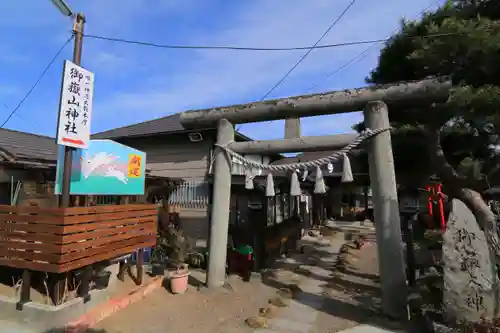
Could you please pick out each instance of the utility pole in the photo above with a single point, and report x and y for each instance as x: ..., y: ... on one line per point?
x: 57, y: 285
x: 79, y: 22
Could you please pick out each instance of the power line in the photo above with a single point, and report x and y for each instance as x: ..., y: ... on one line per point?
x: 223, y: 47
x: 16, y: 114
x: 357, y: 58
x: 37, y: 81
x: 363, y: 54
x: 259, y: 49
x: 277, y: 84
x: 216, y: 47
x: 308, y: 51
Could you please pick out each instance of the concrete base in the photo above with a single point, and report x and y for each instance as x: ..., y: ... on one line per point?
x: 113, y: 280
x: 39, y: 317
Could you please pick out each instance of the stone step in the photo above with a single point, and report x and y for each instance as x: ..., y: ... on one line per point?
x: 366, y: 329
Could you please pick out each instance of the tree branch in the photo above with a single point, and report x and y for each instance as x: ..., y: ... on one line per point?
x: 444, y: 169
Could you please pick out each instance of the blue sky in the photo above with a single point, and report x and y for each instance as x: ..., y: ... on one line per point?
x: 136, y: 83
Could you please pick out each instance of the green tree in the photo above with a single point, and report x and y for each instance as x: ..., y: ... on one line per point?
x: 459, y: 139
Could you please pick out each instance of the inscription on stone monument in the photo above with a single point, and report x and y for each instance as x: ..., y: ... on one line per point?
x: 470, y: 274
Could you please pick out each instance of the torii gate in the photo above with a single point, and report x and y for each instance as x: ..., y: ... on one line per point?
x: 374, y: 102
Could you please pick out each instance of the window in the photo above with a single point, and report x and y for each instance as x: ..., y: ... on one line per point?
x: 286, y: 205
x: 233, y: 211
x: 270, y: 211
x: 107, y: 199
x: 279, y: 208
x: 293, y: 206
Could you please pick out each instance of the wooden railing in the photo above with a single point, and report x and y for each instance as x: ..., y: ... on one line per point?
x: 58, y: 240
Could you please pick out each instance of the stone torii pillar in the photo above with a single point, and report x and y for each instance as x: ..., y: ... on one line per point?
x: 219, y: 227
x: 386, y: 211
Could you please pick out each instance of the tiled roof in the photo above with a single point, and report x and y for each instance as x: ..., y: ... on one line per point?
x: 156, y: 126
x: 22, y: 145
x: 29, y: 146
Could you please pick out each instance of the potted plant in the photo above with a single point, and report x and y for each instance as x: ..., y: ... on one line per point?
x: 158, y: 258
x: 101, y: 278
x: 176, y: 246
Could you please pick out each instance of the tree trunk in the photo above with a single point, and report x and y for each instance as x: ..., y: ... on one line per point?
x: 471, y: 198
x: 455, y: 184
x: 484, y: 216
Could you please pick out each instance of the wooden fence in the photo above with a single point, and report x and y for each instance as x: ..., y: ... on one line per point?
x: 58, y: 240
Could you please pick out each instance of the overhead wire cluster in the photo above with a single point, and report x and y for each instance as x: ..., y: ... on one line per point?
x: 337, y: 20
x: 40, y: 77
x: 366, y: 52
x: 373, y: 43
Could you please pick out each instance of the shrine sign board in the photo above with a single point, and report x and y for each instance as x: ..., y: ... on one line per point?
x: 106, y: 167
x: 75, y: 106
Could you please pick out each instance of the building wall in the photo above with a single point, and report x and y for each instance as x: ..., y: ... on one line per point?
x: 27, y: 186
x: 175, y: 156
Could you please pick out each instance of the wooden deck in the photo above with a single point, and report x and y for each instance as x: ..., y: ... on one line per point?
x: 58, y: 240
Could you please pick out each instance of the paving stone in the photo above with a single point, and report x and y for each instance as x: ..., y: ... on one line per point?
x: 267, y: 330
x: 301, y: 313
x: 314, y: 287
x: 366, y: 329
x: 288, y: 325
x: 311, y: 300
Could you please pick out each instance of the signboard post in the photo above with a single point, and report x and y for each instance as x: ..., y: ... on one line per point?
x: 78, y: 27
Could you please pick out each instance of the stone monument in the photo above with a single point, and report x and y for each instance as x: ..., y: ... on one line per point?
x: 470, y: 274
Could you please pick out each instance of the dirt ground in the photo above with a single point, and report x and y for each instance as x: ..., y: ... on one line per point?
x: 351, y: 296
x: 195, y: 311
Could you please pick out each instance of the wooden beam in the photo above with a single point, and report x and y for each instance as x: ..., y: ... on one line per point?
x: 350, y: 100
x: 25, y: 296
x: 84, y: 288
x: 303, y: 144
x: 139, y: 267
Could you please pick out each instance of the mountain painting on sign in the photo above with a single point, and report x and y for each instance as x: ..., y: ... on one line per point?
x: 105, y: 168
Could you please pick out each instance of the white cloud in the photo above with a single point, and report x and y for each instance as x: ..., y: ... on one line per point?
x: 10, y: 55
x: 125, y: 14
x: 25, y: 15
x: 107, y: 61
x: 8, y: 90
x: 222, y: 77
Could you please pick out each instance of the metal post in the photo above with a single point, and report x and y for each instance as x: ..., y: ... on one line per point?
x: 216, y: 273
x: 68, y: 151
x: 386, y: 211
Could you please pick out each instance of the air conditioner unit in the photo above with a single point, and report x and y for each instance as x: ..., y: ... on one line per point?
x: 195, y: 137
